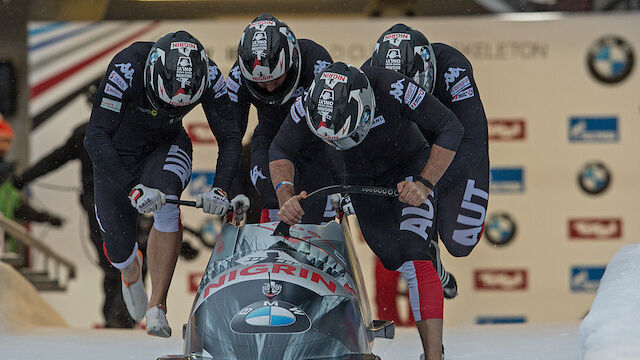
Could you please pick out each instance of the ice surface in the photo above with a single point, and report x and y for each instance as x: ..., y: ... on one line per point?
x: 486, y: 342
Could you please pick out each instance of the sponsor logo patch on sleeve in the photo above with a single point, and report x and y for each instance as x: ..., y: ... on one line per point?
x: 465, y: 94
x: 297, y: 110
x: 112, y: 105
x: 111, y: 90
x: 411, y: 91
x: 418, y: 99
x: 220, y: 85
x: 232, y: 85
x: 118, y: 80
x: 233, y: 97
x: 460, y: 85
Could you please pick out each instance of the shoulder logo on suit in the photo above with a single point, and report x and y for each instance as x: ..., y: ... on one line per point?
x: 451, y: 75
x: 397, y: 90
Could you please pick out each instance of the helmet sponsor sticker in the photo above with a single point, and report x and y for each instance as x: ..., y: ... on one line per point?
x: 270, y: 317
x: 451, y: 75
x: 262, y: 24
x: 259, y: 44
x: 595, y: 228
x: 393, y: 60
x: 396, y: 38
x: 118, y: 80
x: 112, y: 105
x: 111, y: 90
x: 184, y: 71
x: 271, y: 288
x: 333, y: 76
x: 183, y: 44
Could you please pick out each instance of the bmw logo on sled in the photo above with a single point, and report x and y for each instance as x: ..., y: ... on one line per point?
x: 298, y: 295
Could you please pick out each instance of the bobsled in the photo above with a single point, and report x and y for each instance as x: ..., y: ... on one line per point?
x: 274, y: 292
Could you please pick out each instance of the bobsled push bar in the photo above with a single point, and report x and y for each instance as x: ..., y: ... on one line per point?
x: 283, y: 228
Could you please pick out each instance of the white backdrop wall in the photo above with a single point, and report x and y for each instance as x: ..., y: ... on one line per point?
x: 549, y: 117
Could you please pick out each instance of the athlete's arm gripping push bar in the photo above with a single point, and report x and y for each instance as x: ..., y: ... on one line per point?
x: 283, y: 228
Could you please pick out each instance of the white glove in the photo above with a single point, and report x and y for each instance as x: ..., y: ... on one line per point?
x: 342, y: 203
x: 213, y: 202
x: 146, y: 199
x: 240, y: 204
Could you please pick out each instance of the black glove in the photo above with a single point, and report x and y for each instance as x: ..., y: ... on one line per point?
x: 188, y: 252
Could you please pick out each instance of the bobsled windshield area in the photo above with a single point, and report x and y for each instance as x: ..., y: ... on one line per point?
x: 280, y: 297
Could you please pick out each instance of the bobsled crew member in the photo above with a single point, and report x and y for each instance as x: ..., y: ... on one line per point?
x: 273, y: 68
x: 142, y: 156
x: 462, y: 193
x: 376, y: 118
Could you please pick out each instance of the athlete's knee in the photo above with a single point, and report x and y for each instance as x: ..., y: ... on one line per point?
x: 120, y: 258
x: 167, y: 219
x: 455, y: 248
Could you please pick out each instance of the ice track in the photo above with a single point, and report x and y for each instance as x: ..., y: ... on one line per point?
x: 487, y: 342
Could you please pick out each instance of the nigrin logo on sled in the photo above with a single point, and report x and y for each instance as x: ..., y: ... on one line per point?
x: 507, y: 180
x: 593, y: 129
x: 595, y: 229
x: 506, y: 129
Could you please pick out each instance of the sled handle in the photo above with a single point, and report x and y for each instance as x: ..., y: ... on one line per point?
x: 283, y: 228
x: 183, y: 203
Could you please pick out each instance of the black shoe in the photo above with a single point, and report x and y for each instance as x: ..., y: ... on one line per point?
x: 449, y: 284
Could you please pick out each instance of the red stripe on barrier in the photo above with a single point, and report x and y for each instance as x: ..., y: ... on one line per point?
x: 44, y: 85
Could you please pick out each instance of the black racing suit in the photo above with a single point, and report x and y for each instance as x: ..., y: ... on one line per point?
x: 463, y: 191
x: 393, y: 151
x: 114, y: 310
x: 130, y: 143
x: 313, y: 171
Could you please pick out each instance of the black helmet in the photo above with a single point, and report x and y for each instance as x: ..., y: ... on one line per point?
x: 268, y: 50
x: 176, y: 73
x: 340, y: 105
x: 407, y: 51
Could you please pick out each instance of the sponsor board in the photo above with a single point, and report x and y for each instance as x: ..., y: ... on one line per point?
x: 593, y: 129
x: 594, y: 178
x: 610, y: 59
x: 595, y: 228
x: 586, y: 278
x: 507, y: 180
x: 201, y: 181
x: 200, y: 133
x: 506, y: 129
x: 500, y: 229
x: 484, y: 320
x: 500, y: 279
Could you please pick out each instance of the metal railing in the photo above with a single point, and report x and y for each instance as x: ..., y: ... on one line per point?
x: 42, y: 278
